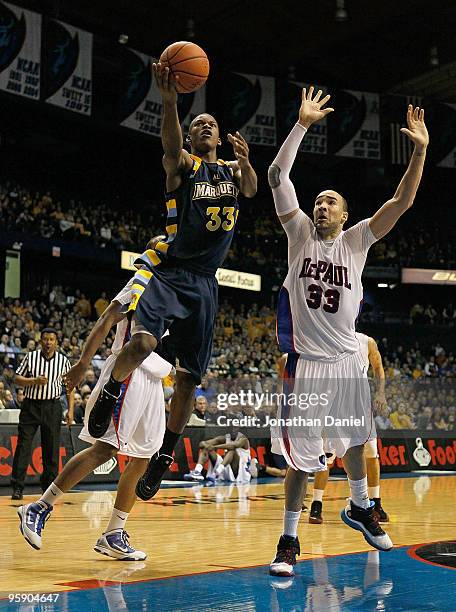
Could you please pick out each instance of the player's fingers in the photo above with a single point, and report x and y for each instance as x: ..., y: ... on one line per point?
x: 239, y: 135
x: 324, y: 100
x: 422, y: 114
x: 326, y: 111
x: 304, y: 94
x: 416, y: 113
x: 318, y: 96
x: 311, y: 90
x: 406, y: 132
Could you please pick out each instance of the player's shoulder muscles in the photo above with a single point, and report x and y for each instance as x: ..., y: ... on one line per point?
x: 175, y: 167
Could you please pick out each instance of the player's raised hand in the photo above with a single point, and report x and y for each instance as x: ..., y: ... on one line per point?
x: 312, y: 109
x: 74, y: 376
x: 416, y: 128
x: 240, y: 148
x: 165, y: 83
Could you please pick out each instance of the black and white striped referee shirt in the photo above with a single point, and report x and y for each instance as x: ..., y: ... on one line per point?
x: 35, y: 364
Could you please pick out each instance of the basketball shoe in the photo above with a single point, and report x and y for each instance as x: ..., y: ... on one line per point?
x: 32, y: 518
x: 150, y: 481
x: 285, y: 559
x: 115, y: 544
x: 366, y: 521
x: 382, y: 515
x: 101, y: 413
x: 194, y: 476
x: 315, y: 516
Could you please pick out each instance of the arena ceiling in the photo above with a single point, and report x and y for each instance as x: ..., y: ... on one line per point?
x: 381, y: 46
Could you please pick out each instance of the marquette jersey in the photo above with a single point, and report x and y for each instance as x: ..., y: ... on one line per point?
x: 364, y: 348
x: 202, y: 214
x: 321, y: 296
x: 154, y: 364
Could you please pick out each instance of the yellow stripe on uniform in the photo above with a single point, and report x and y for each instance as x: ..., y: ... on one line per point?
x: 171, y: 204
x: 162, y: 247
x: 144, y: 273
x: 196, y: 162
x: 171, y: 229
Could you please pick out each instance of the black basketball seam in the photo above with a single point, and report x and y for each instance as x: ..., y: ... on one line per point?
x: 168, y: 59
x: 187, y: 59
x: 201, y: 76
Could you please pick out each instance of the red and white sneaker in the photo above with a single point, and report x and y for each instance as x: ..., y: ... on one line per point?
x: 285, y: 559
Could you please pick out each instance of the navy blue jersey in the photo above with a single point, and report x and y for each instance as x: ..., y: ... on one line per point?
x: 202, y: 213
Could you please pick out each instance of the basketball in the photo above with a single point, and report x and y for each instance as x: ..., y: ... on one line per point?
x: 187, y: 61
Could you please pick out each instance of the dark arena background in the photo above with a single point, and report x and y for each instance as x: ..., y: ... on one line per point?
x: 82, y: 191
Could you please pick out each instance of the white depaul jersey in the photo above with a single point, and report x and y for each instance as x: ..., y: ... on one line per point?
x: 154, y: 364
x: 322, y: 293
x: 364, y: 348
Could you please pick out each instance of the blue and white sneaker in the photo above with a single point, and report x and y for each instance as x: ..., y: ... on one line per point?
x: 32, y: 518
x: 115, y: 544
x: 366, y: 521
x: 194, y: 476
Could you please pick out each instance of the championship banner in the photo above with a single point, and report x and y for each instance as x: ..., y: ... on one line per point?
x: 20, y: 49
x: 251, y: 109
x: 68, y: 67
x: 394, y: 117
x: 289, y: 95
x: 354, y: 129
x: 141, y: 103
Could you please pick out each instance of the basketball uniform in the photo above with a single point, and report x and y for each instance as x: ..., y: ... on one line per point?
x: 138, y: 421
x: 243, y: 476
x: 370, y: 448
x: 317, y: 308
x: 182, y: 292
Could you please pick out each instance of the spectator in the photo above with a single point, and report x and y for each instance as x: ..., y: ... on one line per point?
x: 101, y: 304
x: 83, y: 307
x: 400, y: 419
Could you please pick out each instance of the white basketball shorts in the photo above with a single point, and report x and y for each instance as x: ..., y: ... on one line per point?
x: 325, y: 406
x: 138, y: 423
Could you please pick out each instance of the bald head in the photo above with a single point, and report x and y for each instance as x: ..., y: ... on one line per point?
x: 330, y: 213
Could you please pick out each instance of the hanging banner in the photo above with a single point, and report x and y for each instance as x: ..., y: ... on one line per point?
x: 394, y: 117
x: 289, y: 96
x: 250, y: 107
x: 68, y: 67
x: 354, y: 129
x: 20, y: 48
x: 141, y: 102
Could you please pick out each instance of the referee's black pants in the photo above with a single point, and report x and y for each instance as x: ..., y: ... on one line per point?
x: 46, y: 414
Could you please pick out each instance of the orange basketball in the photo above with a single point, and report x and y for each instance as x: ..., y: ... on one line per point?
x: 187, y: 61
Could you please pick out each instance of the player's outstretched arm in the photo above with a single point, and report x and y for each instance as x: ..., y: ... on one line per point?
x: 386, y: 218
x: 110, y: 317
x: 283, y: 191
x: 175, y: 159
x: 242, y: 168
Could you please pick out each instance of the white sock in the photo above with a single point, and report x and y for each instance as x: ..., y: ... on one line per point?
x: 118, y: 520
x: 358, y: 490
x: 318, y: 495
x: 374, y: 492
x: 51, y: 495
x: 290, y: 523
x: 198, y: 468
x: 219, y: 469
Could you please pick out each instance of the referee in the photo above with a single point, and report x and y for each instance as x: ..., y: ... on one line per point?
x: 40, y: 373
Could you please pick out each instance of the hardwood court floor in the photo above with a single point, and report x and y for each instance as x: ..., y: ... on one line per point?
x: 187, y: 531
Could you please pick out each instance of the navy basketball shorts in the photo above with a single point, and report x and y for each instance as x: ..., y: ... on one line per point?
x: 185, y: 304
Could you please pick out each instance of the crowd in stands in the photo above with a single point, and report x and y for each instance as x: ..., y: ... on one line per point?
x: 259, y: 245
x: 421, y: 381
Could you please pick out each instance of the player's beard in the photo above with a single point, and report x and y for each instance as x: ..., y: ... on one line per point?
x: 327, y: 229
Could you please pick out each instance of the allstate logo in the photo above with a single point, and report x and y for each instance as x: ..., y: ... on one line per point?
x: 421, y: 455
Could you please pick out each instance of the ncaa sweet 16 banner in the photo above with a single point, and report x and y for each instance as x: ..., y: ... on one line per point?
x: 251, y: 108
x: 289, y: 96
x: 354, y: 129
x: 140, y: 101
x: 20, y: 49
x: 68, y: 67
